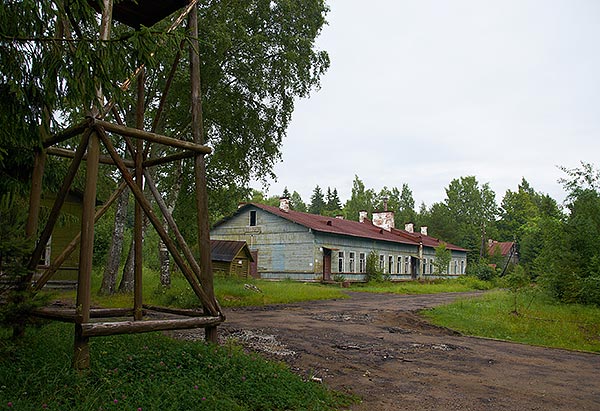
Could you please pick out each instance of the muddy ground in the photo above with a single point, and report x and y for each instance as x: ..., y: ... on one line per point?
x: 377, y: 347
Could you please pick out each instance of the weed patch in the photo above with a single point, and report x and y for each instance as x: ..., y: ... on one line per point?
x: 539, y: 321
x: 149, y: 372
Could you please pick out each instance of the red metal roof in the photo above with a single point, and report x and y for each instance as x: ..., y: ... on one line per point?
x: 504, y: 247
x: 339, y: 226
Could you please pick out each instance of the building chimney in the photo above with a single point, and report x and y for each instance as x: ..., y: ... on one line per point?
x: 384, y: 219
x: 410, y: 227
x: 362, y: 215
x: 385, y: 203
x: 424, y: 230
x: 284, y: 204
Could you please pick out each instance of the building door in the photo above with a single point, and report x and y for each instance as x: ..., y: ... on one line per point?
x: 414, y: 268
x: 326, y: 264
x: 254, y: 264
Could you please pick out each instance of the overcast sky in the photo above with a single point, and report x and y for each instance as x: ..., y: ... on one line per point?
x: 425, y: 91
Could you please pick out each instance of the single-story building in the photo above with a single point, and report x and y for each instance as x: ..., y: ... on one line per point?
x: 309, y: 247
x: 231, y: 258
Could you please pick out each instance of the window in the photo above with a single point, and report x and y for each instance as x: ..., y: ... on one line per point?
x: 361, y: 263
x: 381, y: 262
x: 399, y: 265
x: 455, y: 267
x: 351, y: 262
x: 341, y: 262
x: 252, y: 218
x: 462, y: 266
x: 424, y: 266
x: 407, y: 265
x: 431, y: 266
x: 390, y: 264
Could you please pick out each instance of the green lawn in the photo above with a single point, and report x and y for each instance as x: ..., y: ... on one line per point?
x: 148, y: 372
x: 540, y: 321
x: 231, y: 292
x: 460, y: 284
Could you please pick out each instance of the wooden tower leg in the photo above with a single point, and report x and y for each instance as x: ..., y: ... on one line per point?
x: 138, y: 216
x: 81, y: 356
x: 206, y: 273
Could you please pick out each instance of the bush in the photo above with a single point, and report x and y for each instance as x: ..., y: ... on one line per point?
x: 373, y: 272
x: 15, y: 252
x: 482, y: 270
x: 589, y: 290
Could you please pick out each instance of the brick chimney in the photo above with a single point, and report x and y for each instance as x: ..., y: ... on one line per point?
x: 424, y: 230
x: 384, y: 219
x: 362, y: 216
x: 410, y: 227
x: 284, y: 204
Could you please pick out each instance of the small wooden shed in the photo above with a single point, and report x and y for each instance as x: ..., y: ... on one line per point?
x: 66, y: 228
x: 231, y: 258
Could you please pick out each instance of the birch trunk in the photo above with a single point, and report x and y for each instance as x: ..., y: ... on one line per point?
x: 163, y: 254
x: 109, y: 277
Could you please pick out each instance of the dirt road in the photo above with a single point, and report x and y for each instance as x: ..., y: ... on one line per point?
x: 378, y: 348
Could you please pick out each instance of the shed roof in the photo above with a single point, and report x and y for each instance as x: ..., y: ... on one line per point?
x: 367, y: 229
x: 227, y: 251
x: 504, y: 247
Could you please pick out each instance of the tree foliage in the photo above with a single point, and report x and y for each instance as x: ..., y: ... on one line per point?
x: 317, y: 201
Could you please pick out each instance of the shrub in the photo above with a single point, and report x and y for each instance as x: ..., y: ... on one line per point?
x: 15, y: 251
x: 482, y: 270
x: 373, y: 272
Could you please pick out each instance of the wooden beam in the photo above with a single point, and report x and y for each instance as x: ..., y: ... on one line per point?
x: 152, y: 137
x: 168, y: 159
x: 67, y: 134
x: 175, y: 311
x: 63, y: 152
x: 132, y: 327
x: 60, y: 199
x: 146, y: 206
x: 173, y: 226
x: 165, y: 93
x: 70, y: 314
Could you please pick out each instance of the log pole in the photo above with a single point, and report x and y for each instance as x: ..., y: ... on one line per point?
x: 131, y: 327
x: 206, y: 274
x: 81, y: 357
x: 138, y: 216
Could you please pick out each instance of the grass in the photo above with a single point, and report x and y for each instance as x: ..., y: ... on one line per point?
x: 231, y: 292
x: 460, y: 284
x: 149, y: 372
x: 538, y: 321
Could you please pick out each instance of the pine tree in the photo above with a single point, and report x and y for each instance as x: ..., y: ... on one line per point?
x: 317, y: 202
